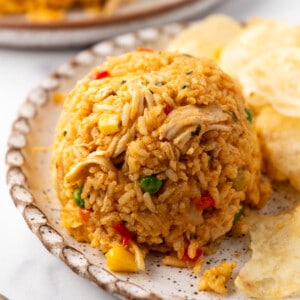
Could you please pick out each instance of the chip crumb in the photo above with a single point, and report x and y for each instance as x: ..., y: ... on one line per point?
x: 215, y: 278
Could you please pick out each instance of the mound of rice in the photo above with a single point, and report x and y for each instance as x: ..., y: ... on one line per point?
x: 176, y: 120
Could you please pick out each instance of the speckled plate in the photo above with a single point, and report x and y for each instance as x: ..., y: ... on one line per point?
x: 29, y: 182
x: 82, y: 29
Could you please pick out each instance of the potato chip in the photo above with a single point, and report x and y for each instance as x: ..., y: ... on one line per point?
x: 274, y: 268
x: 274, y: 78
x: 280, y: 139
x: 206, y: 38
x: 259, y: 37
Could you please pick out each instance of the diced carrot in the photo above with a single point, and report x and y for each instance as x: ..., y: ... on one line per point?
x: 85, y: 214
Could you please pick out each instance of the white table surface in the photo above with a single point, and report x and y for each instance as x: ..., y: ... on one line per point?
x: 27, y: 270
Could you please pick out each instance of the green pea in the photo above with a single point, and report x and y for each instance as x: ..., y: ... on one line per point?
x: 249, y: 114
x: 77, y: 197
x: 238, y: 215
x: 150, y: 184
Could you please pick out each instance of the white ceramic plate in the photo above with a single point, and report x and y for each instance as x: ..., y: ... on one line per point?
x: 28, y: 178
x: 81, y: 29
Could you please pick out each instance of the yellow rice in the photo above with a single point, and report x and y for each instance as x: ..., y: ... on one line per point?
x: 204, y: 145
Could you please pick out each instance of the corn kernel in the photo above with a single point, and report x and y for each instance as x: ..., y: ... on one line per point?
x: 118, y: 259
x: 108, y: 123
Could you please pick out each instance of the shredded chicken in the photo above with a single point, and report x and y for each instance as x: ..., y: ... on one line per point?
x: 97, y: 158
x: 182, y: 121
x: 138, y: 98
x: 184, y: 136
x: 123, y: 142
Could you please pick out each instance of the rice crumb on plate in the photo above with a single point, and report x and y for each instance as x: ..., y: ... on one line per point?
x: 214, y: 279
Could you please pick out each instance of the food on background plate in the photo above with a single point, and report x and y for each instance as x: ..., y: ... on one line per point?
x: 207, y: 37
x: 155, y: 151
x: 274, y: 269
x: 50, y: 10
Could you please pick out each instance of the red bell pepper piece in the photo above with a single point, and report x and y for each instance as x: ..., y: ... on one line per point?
x: 186, y: 256
x: 100, y: 75
x: 203, y: 202
x: 123, y: 232
x: 167, y: 109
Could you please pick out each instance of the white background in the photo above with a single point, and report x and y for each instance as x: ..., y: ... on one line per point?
x: 27, y: 270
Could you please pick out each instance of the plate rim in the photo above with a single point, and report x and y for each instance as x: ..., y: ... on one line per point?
x: 85, y: 36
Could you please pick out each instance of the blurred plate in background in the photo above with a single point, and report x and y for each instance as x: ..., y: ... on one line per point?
x: 82, y: 29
